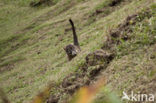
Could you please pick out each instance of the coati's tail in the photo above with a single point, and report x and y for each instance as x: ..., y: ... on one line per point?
x: 74, y: 33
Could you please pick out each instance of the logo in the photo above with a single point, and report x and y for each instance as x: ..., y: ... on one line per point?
x: 138, y: 97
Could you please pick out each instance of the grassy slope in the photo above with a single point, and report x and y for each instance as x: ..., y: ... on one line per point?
x: 133, y: 68
x: 27, y: 31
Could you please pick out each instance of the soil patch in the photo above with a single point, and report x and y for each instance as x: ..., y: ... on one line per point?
x: 107, y: 9
x: 41, y: 2
x: 95, y: 62
x: 123, y: 31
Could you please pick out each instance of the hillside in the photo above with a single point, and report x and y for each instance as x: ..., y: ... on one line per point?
x: 33, y: 38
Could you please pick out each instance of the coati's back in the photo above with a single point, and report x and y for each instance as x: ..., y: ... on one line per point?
x: 72, y: 50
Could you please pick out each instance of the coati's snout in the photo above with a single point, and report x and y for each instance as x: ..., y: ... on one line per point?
x: 74, y: 53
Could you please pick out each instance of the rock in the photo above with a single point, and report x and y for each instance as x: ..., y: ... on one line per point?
x: 99, y: 57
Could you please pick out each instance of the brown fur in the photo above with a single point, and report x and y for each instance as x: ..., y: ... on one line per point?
x: 72, y: 49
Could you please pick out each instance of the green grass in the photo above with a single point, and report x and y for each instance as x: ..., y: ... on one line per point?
x: 135, y: 60
x: 143, y: 35
x: 25, y: 31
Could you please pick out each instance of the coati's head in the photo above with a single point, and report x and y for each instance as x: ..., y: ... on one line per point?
x: 71, y: 51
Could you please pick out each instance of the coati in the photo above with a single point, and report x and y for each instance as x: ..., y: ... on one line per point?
x: 72, y: 49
